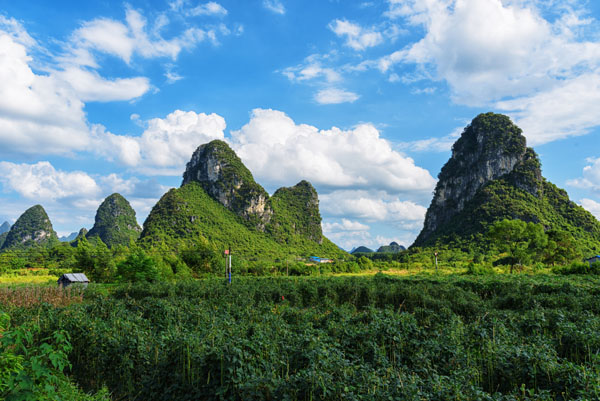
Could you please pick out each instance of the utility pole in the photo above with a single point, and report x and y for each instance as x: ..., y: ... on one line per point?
x: 228, y: 264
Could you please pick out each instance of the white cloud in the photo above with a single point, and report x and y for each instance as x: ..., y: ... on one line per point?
x: 591, y: 206
x: 504, y: 54
x: 344, y: 225
x: 373, y: 206
x: 166, y: 144
x: 274, y: 6
x: 90, y: 86
x: 41, y: 181
x: 171, y: 75
x: 279, y: 151
x: 335, y: 96
x: 569, y: 109
x: 38, y: 113
x: 210, y: 8
x: 133, y: 37
x: 357, y: 37
x: 310, y: 71
x: 351, y: 234
x: 591, y: 176
x: 441, y: 144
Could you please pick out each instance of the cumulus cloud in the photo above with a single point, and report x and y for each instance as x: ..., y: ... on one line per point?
x: 373, y: 206
x: 274, y: 6
x: 357, y: 37
x: 165, y: 145
x: 590, y: 178
x: 350, y: 234
x: 44, y: 113
x: 90, y: 86
x: 42, y: 181
x: 591, y: 206
x: 38, y: 113
x: 280, y: 151
x: 335, y: 96
x: 506, y: 55
x: 344, y: 225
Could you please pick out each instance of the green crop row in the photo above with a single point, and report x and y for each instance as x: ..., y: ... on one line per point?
x: 338, y: 338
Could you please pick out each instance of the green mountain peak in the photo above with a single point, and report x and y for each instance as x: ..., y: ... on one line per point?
x: 115, y: 222
x: 493, y: 175
x: 32, y: 228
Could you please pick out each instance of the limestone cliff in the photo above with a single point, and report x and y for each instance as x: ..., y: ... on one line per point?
x: 219, y: 204
x: 221, y: 173
x: 493, y: 175
x: 32, y: 228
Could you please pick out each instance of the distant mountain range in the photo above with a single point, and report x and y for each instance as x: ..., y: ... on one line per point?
x: 68, y: 238
x: 393, y: 247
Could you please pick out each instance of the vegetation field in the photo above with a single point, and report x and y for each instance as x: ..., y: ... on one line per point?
x: 457, y: 337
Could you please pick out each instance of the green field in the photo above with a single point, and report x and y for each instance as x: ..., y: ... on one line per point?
x: 451, y: 337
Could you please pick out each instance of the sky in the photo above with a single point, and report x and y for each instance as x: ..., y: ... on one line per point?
x: 361, y: 98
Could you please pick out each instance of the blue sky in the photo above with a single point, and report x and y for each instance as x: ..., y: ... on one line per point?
x: 363, y: 99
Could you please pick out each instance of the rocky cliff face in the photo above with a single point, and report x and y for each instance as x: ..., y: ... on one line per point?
x: 221, y: 173
x: 493, y: 175
x: 115, y: 222
x: 489, y: 148
x: 31, y: 229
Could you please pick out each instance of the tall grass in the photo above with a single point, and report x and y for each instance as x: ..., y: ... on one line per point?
x: 28, y: 296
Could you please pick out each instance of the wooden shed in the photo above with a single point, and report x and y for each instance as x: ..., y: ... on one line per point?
x: 73, y: 278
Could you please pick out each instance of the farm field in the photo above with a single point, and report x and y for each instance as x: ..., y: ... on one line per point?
x: 378, y: 337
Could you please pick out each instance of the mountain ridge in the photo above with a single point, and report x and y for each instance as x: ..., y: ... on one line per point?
x: 221, y: 205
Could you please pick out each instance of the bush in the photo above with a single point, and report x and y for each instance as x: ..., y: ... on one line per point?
x: 476, y: 269
x: 578, y: 268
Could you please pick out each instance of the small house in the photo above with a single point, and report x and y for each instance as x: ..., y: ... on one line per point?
x: 593, y: 259
x: 73, y: 278
x: 317, y: 259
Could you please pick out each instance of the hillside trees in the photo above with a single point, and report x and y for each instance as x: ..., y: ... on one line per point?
x: 528, y: 242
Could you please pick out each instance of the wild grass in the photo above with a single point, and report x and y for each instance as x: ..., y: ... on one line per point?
x: 28, y: 296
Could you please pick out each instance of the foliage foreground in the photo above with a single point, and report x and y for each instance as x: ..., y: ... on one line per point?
x: 344, y: 338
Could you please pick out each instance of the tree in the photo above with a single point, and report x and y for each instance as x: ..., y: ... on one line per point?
x: 95, y: 260
x: 138, y: 267
x: 523, y: 241
x: 562, y: 248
